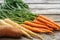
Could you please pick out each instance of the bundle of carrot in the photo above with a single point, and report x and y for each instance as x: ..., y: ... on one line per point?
x: 25, y: 31
x: 48, y: 22
x: 41, y: 24
x: 37, y: 27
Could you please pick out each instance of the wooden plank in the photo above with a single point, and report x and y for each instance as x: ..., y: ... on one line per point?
x: 1, y: 1
x: 48, y: 11
x: 54, y: 17
x: 58, y: 22
x: 44, y: 6
x: 41, y: 1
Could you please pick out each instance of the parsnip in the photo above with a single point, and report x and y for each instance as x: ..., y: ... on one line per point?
x: 9, y: 31
x: 25, y: 33
x: 17, y: 25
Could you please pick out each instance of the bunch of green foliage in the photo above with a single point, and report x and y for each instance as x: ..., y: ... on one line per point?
x: 16, y: 10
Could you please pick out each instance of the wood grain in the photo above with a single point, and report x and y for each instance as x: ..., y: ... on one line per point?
x: 41, y: 1
x: 45, y: 6
x: 45, y: 11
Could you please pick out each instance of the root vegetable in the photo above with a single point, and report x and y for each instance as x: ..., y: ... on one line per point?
x: 48, y: 23
x: 17, y: 25
x: 41, y: 23
x: 34, y: 29
x: 47, y: 19
x: 9, y: 31
x: 25, y: 33
x: 38, y: 22
x: 36, y: 25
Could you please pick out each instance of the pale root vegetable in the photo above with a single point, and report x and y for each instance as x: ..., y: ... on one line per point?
x: 48, y: 23
x: 25, y: 33
x: 17, y: 25
x: 33, y: 34
x: 36, y: 25
x: 34, y: 29
x: 9, y: 31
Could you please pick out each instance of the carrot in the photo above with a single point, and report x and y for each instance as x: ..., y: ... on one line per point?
x: 47, y: 19
x: 41, y: 23
x: 38, y: 22
x: 36, y: 25
x: 39, y: 30
x: 48, y: 23
x: 20, y: 27
x: 24, y: 32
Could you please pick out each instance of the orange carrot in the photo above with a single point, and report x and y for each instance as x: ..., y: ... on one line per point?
x: 39, y: 30
x: 48, y: 23
x: 36, y: 25
x: 38, y: 22
x: 47, y: 19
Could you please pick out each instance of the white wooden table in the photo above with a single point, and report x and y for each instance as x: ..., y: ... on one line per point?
x: 49, y: 8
